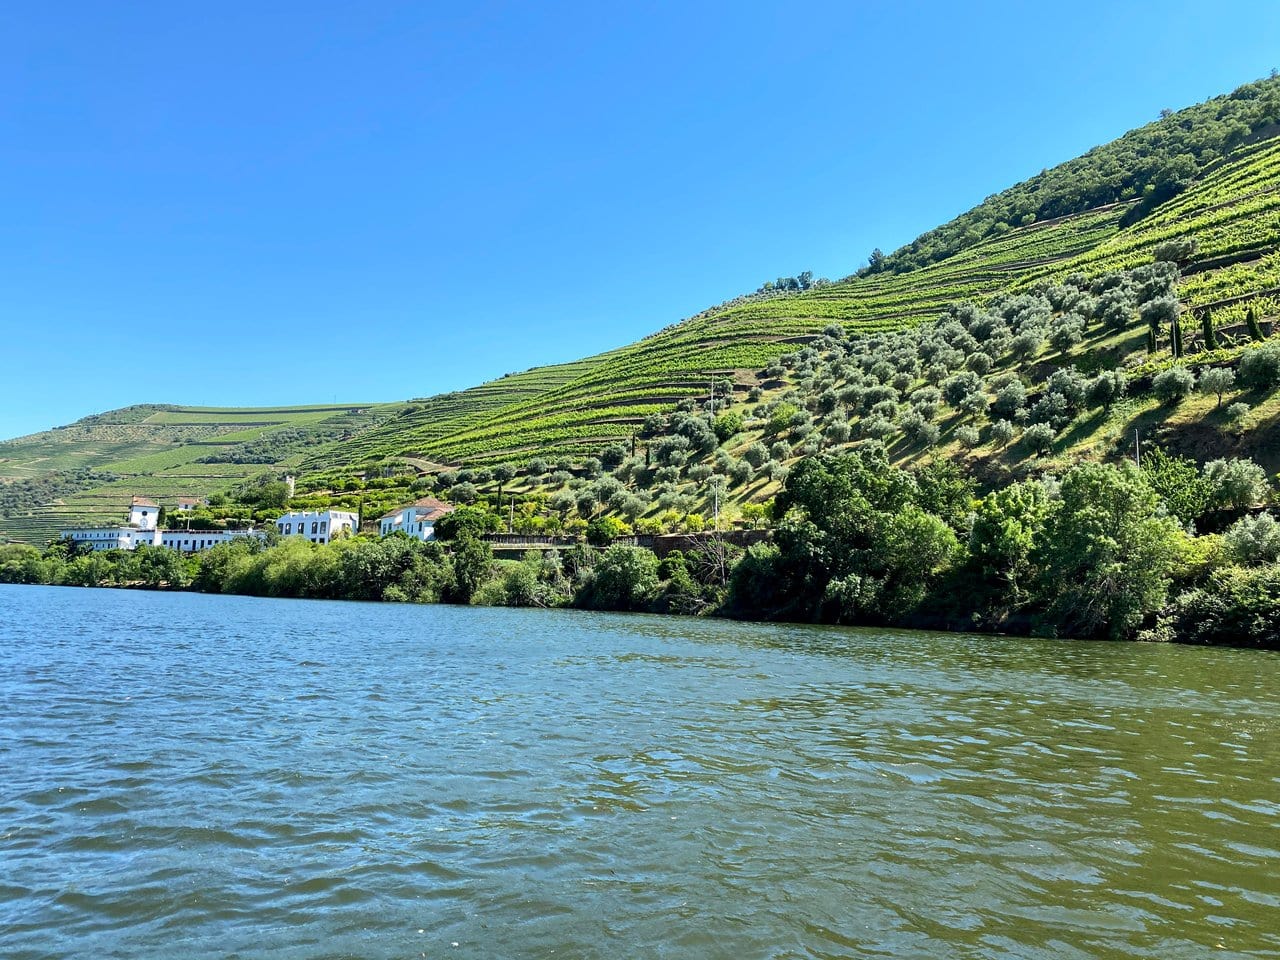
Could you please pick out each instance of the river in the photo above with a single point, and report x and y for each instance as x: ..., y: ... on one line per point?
x: 187, y: 775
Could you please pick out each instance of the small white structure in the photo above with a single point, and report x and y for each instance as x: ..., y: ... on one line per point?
x: 418, y: 519
x: 318, y: 526
x: 188, y: 504
x: 143, y: 513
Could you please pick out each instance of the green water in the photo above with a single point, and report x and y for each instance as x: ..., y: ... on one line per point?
x: 184, y: 775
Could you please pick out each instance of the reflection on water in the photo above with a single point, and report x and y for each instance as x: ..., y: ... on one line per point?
x: 190, y: 775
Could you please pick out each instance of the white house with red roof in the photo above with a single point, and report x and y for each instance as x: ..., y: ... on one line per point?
x: 418, y: 519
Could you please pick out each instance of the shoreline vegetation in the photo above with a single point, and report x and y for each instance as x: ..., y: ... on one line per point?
x: 1103, y: 551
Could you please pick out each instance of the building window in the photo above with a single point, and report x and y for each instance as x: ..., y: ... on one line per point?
x: 323, y: 524
x: 314, y: 526
x: 288, y: 528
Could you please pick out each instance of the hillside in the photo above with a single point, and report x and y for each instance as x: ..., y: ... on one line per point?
x: 1204, y: 181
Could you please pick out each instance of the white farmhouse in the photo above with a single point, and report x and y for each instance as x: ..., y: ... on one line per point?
x: 418, y: 519
x: 318, y: 526
x: 188, y: 504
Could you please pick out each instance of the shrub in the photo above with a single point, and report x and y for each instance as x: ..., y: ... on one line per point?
x: 1105, y: 389
x: 968, y: 436
x: 1237, y: 483
x: 919, y: 430
x: 1002, y: 432
x: 1173, y: 385
x: 1010, y: 398
x: 1039, y: 437
x: 1260, y: 367
x: 1253, y: 540
x: 756, y: 454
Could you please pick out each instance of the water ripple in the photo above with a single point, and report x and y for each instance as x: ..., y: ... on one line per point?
x: 210, y: 776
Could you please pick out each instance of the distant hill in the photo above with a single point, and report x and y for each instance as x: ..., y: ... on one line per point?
x: 1206, y: 178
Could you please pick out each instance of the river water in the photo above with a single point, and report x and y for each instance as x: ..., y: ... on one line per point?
x: 183, y: 775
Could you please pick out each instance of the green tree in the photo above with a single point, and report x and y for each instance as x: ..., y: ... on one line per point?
x: 1179, y: 483
x: 1237, y: 483
x: 625, y: 578
x: 466, y: 521
x: 472, y: 565
x: 1251, y: 322
x: 1007, y: 525
x: 1107, y: 552
x: 1210, y: 334
x: 1174, y: 385
x: 1105, y: 389
x: 1217, y: 380
x: 503, y: 474
x: 604, y: 530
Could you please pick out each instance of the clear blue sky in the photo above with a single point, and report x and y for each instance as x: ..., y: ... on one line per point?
x: 239, y: 203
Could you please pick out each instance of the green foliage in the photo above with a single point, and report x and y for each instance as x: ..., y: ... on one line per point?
x: 624, y: 578
x: 466, y: 522
x: 1174, y: 385
x: 1216, y: 381
x: 854, y: 545
x: 1260, y: 367
x: 1236, y: 483
x: 1107, y: 553
x: 1186, y: 493
x: 1253, y: 540
x: 1239, y: 606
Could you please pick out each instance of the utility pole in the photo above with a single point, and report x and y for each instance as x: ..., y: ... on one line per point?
x: 1137, y: 450
x: 713, y: 397
x: 511, y: 522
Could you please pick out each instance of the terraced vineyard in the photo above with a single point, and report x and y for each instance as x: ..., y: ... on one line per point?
x: 1234, y: 210
x: 1225, y: 198
x: 156, y: 451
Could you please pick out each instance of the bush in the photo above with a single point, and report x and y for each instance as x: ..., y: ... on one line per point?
x: 1237, y: 483
x: 1105, y: 389
x: 1002, y: 431
x: 1253, y: 540
x: 1238, y: 606
x: 919, y: 430
x: 1010, y: 398
x: 1260, y: 367
x: 625, y: 578
x: 968, y: 436
x: 1173, y: 385
x: 1039, y: 437
x: 1237, y: 413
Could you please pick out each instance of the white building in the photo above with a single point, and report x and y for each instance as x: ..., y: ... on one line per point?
x: 318, y: 526
x: 112, y: 538
x: 188, y: 504
x: 418, y: 519
x: 143, y: 513
x: 142, y: 530
x: 193, y: 541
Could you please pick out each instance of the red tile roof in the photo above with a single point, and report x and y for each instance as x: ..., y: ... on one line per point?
x: 142, y: 502
x: 432, y: 503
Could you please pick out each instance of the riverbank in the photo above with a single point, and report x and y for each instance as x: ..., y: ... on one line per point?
x: 1097, y: 553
